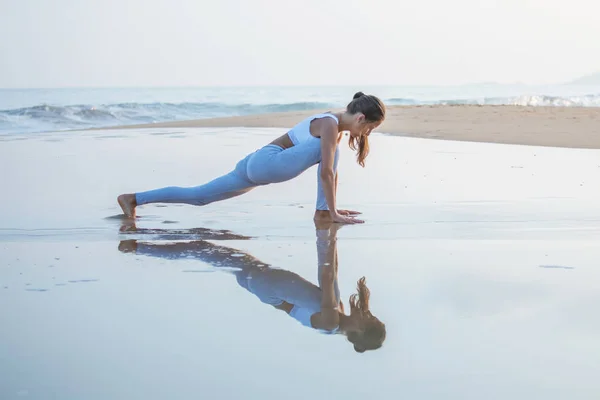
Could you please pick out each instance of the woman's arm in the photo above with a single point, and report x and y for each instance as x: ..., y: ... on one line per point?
x: 328, y: 318
x: 328, y: 176
x: 321, y: 203
x: 343, y: 212
x: 329, y: 137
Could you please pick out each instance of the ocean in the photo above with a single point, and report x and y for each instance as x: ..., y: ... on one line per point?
x: 49, y: 110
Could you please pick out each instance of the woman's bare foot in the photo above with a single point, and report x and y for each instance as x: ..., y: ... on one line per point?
x: 128, y: 226
x: 127, y: 203
x: 128, y: 246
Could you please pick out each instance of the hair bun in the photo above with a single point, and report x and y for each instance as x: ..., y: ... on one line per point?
x: 357, y: 95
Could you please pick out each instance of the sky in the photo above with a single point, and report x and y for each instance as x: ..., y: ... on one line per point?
x: 116, y: 43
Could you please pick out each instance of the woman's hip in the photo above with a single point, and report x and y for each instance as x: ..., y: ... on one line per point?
x: 272, y: 163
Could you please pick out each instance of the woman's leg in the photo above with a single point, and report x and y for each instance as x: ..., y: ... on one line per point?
x: 221, y: 188
x: 270, y: 164
x: 212, y: 254
x: 233, y: 184
x: 273, y: 164
x: 206, y: 252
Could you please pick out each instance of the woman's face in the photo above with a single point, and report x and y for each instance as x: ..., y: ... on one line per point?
x: 361, y: 127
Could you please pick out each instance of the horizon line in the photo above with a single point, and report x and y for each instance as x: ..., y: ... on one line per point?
x: 93, y: 87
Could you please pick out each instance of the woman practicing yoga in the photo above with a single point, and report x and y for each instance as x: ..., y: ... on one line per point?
x: 315, y: 140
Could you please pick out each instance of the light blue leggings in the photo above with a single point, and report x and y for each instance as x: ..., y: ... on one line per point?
x: 269, y: 164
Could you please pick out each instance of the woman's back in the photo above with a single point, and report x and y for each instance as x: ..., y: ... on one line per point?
x: 276, y: 286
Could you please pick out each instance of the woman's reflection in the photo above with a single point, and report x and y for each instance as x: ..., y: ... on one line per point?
x: 317, y: 307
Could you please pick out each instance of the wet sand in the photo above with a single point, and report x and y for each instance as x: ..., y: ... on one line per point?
x: 481, y: 260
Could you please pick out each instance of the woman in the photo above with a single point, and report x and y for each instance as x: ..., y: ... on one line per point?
x: 314, y: 140
x: 316, y: 307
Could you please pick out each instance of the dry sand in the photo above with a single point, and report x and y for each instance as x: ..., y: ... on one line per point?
x: 576, y: 127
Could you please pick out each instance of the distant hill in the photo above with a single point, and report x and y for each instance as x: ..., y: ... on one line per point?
x: 591, y: 79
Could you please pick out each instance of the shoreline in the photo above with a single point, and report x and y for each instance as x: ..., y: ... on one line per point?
x: 571, y: 127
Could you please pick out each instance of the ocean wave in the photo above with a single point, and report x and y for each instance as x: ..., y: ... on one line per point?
x: 590, y: 100
x: 46, y: 117
x: 399, y: 101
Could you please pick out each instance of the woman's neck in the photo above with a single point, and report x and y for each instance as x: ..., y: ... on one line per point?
x: 344, y: 124
x: 348, y: 323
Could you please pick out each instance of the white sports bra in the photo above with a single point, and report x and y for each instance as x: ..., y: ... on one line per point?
x: 301, y: 132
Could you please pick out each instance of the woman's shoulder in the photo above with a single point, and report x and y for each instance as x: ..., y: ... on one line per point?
x: 325, y: 117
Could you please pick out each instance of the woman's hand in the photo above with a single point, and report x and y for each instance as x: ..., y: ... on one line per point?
x: 343, y: 219
x: 348, y: 212
x: 323, y: 218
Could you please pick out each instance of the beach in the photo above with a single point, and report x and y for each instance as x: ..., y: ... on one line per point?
x: 472, y: 274
x: 574, y: 127
x: 481, y: 259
